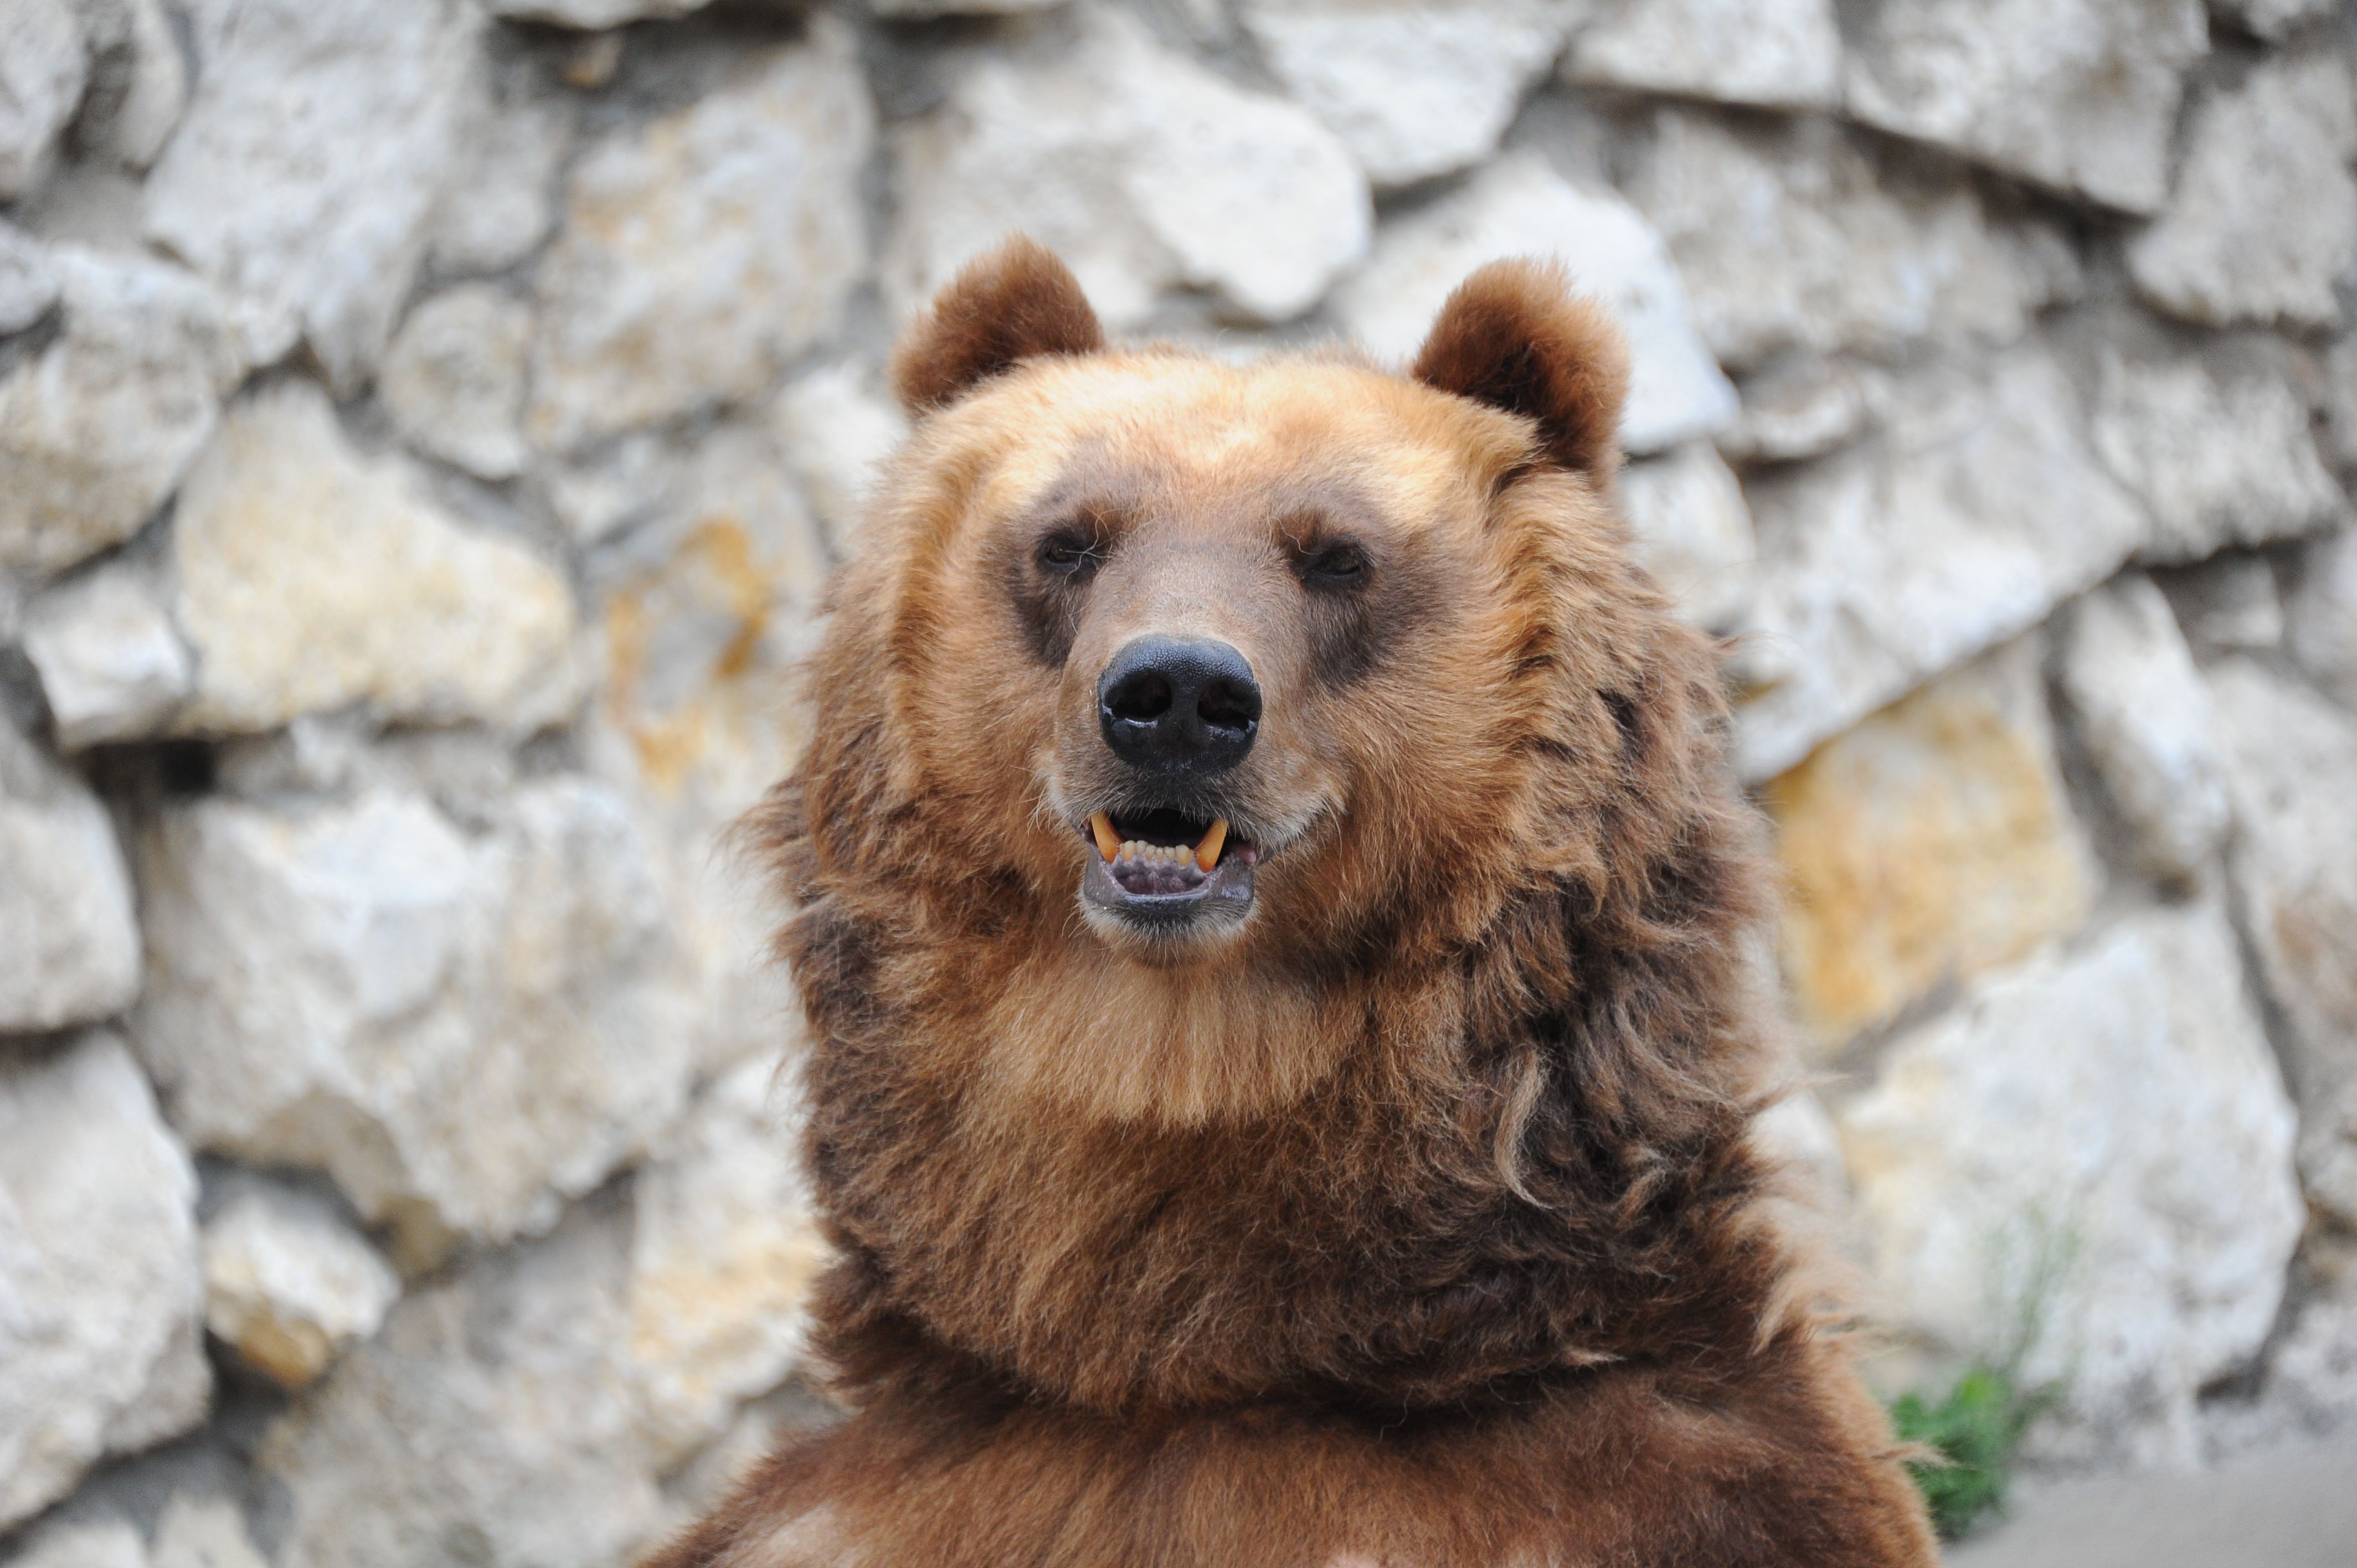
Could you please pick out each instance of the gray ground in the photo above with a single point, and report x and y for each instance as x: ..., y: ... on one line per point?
x: 2288, y: 1508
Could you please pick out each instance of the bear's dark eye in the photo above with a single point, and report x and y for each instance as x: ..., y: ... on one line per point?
x: 1338, y: 565
x: 1070, y: 553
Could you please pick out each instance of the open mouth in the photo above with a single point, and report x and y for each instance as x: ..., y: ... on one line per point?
x: 1165, y: 868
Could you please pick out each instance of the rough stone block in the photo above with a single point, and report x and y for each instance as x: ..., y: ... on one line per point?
x: 463, y: 1030
x: 703, y: 249
x: 288, y: 1284
x: 68, y: 944
x: 99, y: 1350
x: 310, y: 579
x: 316, y: 232
x: 1789, y: 237
x: 1145, y: 171
x: 98, y: 427
x: 2080, y: 95
x: 2088, y: 1166
x: 2262, y: 222
x: 1976, y: 510
x: 2148, y: 725
x: 1414, y: 89
x: 1932, y: 842
x: 2290, y: 758
x: 1781, y: 54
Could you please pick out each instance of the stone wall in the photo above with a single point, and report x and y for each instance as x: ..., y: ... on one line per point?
x: 425, y: 428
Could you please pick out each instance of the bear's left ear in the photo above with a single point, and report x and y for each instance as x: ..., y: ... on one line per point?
x: 1012, y: 303
x: 1514, y: 337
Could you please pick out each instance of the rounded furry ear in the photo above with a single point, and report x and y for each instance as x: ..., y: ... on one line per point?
x: 1516, y: 337
x: 1006, y: 306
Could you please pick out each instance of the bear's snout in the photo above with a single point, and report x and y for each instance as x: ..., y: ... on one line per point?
x: 1178, y: 708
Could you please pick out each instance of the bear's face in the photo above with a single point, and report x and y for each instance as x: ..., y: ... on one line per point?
x: 1211, y: 640
x: 1177, y: 714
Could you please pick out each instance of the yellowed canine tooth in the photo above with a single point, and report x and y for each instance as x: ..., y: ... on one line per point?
x: 1101, y: 829
x: 1207, y: 854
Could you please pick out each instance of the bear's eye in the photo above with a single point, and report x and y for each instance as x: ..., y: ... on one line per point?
x: 1340, y: 565
x: 1071, y: 555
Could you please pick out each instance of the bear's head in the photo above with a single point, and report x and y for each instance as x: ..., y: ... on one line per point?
x: 1170, y: 702
x: 1270, y: 901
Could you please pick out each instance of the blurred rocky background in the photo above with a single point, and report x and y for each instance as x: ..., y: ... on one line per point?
x: 425, y: 427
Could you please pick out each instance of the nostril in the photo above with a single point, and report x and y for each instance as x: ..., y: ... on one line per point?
x: 1178, y: 706
x: 1143, y: 697
x: 1227, y: 704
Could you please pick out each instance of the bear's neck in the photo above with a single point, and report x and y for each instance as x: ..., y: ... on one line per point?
x: 1451, y: 1198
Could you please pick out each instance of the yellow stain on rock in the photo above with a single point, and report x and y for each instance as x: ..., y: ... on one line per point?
x: 683, y: 640
x: 1933, y: 842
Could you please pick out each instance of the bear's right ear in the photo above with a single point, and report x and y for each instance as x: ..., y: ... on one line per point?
x: 1016, y: 303
x: 1516, y: 337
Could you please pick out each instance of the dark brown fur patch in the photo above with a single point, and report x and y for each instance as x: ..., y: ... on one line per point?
x: 1016, y: 303
x: 1514, y: 337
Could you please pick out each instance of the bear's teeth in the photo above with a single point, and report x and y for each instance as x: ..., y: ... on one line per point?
x: 1108, y: 843
x: 1207, y: 854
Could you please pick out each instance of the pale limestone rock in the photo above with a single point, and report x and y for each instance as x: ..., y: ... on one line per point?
x: 288, y: 1284
x: 97, y: 428
x: 29, y: 284
x: 305, y: 176
x: 1789, y: 237
x: 2228, y: 604
x: 2092, y: 1154
x: 2081, y: 95
x: 68, y: 946
x: 701, y: 252
x: 2148, y: 724
x: 721, y: 1258
x: 202, y: 1533
x: 615, y: 488
x: 1935, y: 842
x: 1414, y: 88
x: 2264, y: 219
x: 492, y: 1419
x: 454, y: 379
x: 43, y: 68
x: 138, y: 81
x: 1802, y: 409
x: 98, y: 1264
x: 1518, y: 207
x: 310, y: 578
x: 2218, y: 459
x: 461, y: 1029
x: 500, y: 200
x: 700, y: 640
x: 2290, y: 758
x: 1976, y: 510
x: 112, y: 665
x: 1692, y: 533
x: 1781, y: 53
x: 92, y: 1543
x: 1142, y: 170
x: 594, y: 14
x: 2321, y: 619
x: 836, y: 432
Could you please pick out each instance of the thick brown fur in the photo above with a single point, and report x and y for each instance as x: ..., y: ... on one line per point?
x: 1418, y: 1223
x: 1017, y: 303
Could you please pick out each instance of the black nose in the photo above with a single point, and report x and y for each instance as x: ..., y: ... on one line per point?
x: 1180, y: 707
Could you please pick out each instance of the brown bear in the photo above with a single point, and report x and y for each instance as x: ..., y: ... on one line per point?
x: 1271, y: 909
